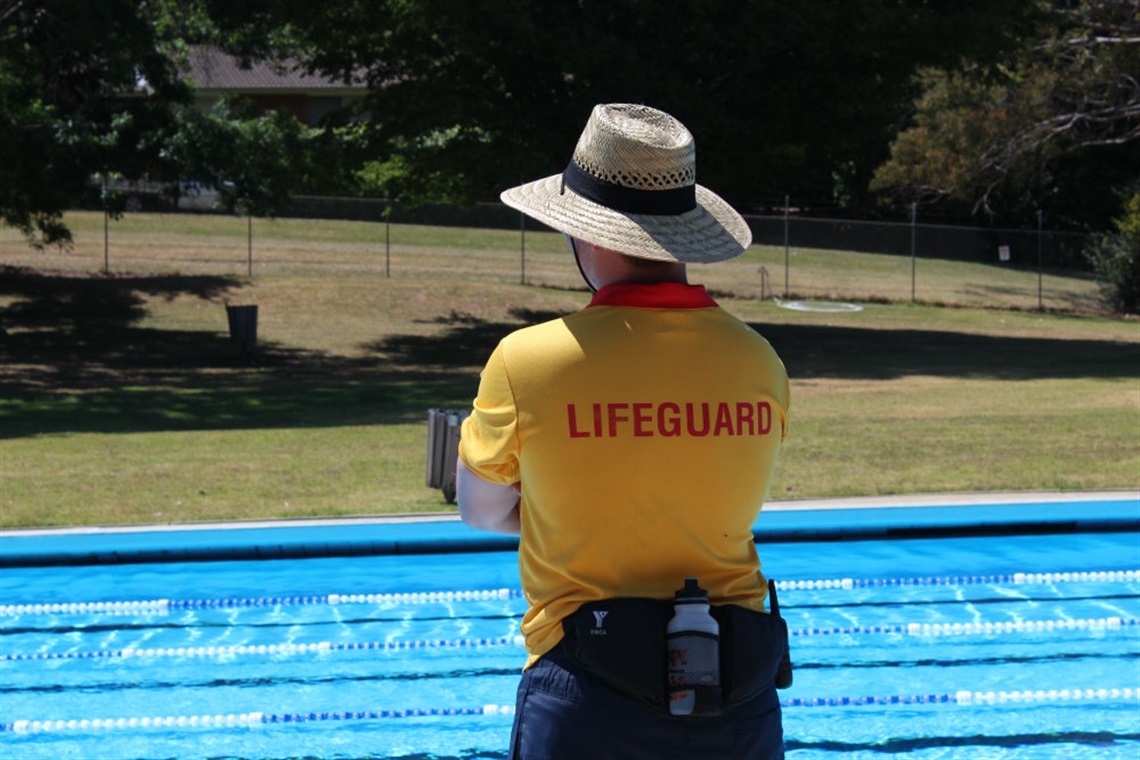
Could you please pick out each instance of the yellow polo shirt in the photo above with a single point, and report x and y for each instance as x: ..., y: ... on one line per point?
x: 644, y: 431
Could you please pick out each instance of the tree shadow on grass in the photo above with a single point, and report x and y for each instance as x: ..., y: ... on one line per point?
x: 74, y: 305
x: 73, y: 359
x: 466, y: 344
x: 865, y: 354
x: 850, y: 353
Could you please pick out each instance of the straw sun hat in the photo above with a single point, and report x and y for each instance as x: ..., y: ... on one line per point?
x: 631, y: 187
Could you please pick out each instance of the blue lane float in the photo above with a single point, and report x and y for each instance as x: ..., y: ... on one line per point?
x: 165, y: 606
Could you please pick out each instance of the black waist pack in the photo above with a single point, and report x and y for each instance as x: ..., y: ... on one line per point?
x: 622, y: 642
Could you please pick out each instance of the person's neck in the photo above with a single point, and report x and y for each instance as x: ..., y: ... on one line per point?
x: 637, y: 275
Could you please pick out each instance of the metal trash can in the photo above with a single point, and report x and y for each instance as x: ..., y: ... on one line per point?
x: 243, y: 326
x: 443, y: 448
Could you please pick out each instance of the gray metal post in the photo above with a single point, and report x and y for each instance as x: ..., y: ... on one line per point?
x: 387, y: 245
x: 249, y: 240
x: 1040, y: 287
x: 787, y: 202
x: 913, y: 251
x: 106, y: 234
x: 522, y: 249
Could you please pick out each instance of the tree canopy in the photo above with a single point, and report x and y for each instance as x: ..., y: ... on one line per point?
x: 84, y: 88
x: 1054, y: 125
x: 469, y: 97
x: 466, y: 98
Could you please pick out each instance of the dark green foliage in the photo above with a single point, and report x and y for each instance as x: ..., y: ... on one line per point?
x: 1054, y: 127
x: 84, y: 88
x: 471, y: 97
x: 1116, y: 258
x: 467, y: 98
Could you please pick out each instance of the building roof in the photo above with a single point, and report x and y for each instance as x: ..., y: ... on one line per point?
x: 211, y: 69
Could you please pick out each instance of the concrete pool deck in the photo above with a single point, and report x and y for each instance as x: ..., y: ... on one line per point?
x: 782, y: 521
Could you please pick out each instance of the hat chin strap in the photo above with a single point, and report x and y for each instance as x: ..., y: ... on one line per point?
x: 578, y: 261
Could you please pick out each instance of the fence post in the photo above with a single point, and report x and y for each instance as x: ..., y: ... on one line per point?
x: 388, y: 242
x: 249, y: 238
x: 106, y: 233
x: 1040, y: 287
x: 787, y: 203
x: 913, y: 250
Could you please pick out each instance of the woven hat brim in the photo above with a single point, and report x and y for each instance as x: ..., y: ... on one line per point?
x: 711, y: 232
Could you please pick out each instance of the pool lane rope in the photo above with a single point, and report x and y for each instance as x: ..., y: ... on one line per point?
x: 316, y: 647
x: 323, y: 647
x: 253, y: 720
x: 165, y: 606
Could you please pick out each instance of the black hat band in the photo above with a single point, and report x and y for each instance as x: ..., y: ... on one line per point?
x: 627, y: 199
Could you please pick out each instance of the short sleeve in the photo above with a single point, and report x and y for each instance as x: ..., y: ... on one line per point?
x: 489, y: 441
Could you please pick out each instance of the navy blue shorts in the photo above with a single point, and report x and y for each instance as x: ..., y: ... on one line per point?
x: 563, y: 712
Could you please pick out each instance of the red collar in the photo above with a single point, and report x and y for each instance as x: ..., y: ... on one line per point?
x: 658, y: 295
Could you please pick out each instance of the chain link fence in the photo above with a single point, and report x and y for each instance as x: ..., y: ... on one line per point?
x: 1026, y: 247
x: 928, y: 262
x: 794, y: 257
x: 808, y: 257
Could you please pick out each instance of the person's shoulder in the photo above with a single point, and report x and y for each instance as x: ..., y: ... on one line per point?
x: 735, y: 322
x: 539, y: 332
x: 743, y: 330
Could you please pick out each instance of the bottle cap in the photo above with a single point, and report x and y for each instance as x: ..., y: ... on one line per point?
x: 692, y: 593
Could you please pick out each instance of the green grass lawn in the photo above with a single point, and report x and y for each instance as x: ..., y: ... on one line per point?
x: 122, y: 399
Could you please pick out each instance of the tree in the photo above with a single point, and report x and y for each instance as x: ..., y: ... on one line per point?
x: 84, y: 88
x: 255, y: 162
x: 1115, y: 257
x: 95, y: 88
x: 469, y: 97
x: 1055, y: 125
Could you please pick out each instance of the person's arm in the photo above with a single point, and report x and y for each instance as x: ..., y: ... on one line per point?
x: 485, y: 505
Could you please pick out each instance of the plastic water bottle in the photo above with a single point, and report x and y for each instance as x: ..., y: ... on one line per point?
x: 693, y: 647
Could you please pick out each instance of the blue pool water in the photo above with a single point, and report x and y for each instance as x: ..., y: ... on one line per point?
x: 1002, y: 646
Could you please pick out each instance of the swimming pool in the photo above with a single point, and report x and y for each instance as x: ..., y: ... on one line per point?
x: 996, y: 646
